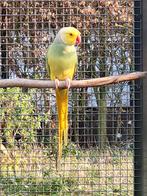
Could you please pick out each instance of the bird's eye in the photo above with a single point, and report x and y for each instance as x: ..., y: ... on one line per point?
x: 70, y: 34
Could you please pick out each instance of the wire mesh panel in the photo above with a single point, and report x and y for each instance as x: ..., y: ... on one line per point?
x: 99, y: 157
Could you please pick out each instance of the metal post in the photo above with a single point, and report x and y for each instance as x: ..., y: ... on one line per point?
x: 138, y: 157
x: 144, y: 42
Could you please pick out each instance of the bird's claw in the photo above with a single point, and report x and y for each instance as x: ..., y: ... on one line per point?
x: 56, y: 83
x: 67, y: 82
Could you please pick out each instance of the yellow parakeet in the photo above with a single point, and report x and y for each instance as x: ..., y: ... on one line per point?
x: 61, y: 65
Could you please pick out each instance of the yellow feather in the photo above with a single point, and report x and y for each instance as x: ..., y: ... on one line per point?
x: 62, y: 107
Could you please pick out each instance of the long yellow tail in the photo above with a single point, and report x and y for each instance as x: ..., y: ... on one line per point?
x: 62, y: 108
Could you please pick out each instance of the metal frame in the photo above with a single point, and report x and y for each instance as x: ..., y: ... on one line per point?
x: 138, y: 161
x: 144, y: 46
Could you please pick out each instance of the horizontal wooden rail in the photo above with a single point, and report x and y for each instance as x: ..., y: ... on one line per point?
x: 28, y: 83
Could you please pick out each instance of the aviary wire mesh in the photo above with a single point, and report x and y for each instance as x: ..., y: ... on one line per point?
x: 99, y: 159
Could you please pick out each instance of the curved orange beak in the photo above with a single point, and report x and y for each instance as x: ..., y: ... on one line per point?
x: 78, y: 40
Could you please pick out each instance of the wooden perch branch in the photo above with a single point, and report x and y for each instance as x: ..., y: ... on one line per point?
x: 74, y: 83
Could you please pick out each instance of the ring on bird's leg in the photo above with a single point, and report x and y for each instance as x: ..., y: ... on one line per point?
x: 67, y: 82
x: 56, y: 83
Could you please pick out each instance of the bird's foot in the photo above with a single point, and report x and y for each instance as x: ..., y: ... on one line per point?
x: 67, y: 82
x: 56, y: 83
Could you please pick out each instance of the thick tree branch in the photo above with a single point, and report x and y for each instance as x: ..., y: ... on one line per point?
x: 74, y: 83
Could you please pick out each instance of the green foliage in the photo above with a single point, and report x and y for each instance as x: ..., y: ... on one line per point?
x: 18, y: 115
x: 52, y: 147
x: 52, y: 186
x: 72, y: 150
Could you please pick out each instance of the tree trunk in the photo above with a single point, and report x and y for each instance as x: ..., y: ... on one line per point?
x: 101, y: 91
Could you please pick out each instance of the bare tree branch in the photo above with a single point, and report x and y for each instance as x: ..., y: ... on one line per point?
x: 74, y: 83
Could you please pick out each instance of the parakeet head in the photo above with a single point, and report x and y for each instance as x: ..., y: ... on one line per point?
x: 69, y: 36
